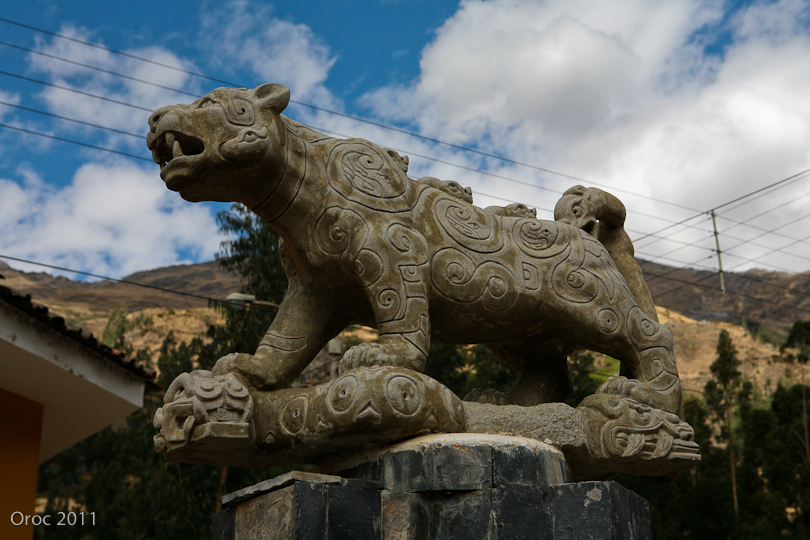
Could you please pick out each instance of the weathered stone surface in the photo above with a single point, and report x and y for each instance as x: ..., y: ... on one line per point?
x: 353, y: 513
x: 269, y: 516
x: 604, y: 435
x: 462, y: 515
x: 281, y: 481
x: 405, y: 516
x: 364, y: 243
x: 294, y: 425
x: 522, y: 513
x: 223, y: 525
x: 319, y: 507
x: 458, y: 462
x: 604, y: 510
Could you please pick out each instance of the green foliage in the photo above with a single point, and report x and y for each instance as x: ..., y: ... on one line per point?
x: 116, y: 329
x: 134, y: 492
x: 253, y: 253
x: 799, y: 337
x: 463, y: 369
x: 582, y: 366
x: 137, y: 494
x: 724, y: 369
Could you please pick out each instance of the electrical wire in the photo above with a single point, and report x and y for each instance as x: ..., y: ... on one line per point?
x: 62, y: 139
x: 60, y: 117
x: 265, y: 304
x: 747, y: 197
x: 337, y: 113
x: 100, y: 70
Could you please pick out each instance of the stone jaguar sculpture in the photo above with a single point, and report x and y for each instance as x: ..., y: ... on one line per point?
x: 364, y: 244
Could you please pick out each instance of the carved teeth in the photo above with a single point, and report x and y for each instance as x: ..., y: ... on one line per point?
x: 176, y: 150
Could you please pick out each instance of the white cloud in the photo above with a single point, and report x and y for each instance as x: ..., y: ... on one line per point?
x: 244, y: 34
x: 8, y: 97
x: 624, y: 94
x: 113, y: 219
x: 124, y: 91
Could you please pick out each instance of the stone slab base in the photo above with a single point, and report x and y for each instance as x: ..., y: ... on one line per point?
x: 434, y: 488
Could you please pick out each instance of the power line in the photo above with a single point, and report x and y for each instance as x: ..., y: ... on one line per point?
x: 774, y: 184
x: 337, y: 113
x: 94, y: 147
x: 75, y: 91
x: 736, y: 275
x: 747, y: 195
x: 698, y: 284
x: 760, y: 192
x: 98, y: 276
x: 90, y: 124
x: 94, y: 68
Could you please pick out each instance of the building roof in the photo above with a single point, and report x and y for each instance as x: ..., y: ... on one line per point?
x: 82, y: 385
x: 23, y: 303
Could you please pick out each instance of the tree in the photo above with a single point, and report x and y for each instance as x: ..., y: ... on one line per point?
x: 723, y: 392
x: 799, y: 337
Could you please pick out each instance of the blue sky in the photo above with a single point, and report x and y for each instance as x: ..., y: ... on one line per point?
x: 676, y: 107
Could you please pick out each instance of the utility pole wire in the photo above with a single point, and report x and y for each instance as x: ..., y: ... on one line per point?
x: 89, y: 124
x: 306, y: 105
x: 75, y: 91
x: 90, y: 274
x: 351, y: 117
x: 94, y: 147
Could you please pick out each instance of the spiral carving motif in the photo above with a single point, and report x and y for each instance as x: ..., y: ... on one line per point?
x: 361, y: 173
x: 541, y: 239
x: 409, y: 242
x: 469, y: 226
x: 404, y: 394
x: 294, y: 415
x: 342, y: 394
x: 456, y: 276
x: 338, y: 229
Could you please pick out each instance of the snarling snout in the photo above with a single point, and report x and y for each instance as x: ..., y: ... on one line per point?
x: 169, y: 145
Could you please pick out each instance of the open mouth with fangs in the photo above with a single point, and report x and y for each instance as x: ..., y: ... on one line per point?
x: 172, y: 145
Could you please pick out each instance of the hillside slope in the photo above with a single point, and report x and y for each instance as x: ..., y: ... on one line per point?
x: 695, y: 314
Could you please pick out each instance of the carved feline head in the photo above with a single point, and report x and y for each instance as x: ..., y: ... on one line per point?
x: 219, y: 147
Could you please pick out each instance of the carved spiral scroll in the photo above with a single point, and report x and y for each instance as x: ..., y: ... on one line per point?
x: 338, y: 229
x: 469, y: 226
x: 541, y: 239
x: 585, y: 272
x: 456, y: 276
x: 360, y: 171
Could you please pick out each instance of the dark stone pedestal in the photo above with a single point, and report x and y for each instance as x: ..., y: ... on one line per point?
x: 464, y: 487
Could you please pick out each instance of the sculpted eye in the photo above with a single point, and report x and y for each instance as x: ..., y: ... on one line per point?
x: 243, y: 112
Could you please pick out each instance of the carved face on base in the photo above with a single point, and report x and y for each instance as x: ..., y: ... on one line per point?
x: 214, y: 148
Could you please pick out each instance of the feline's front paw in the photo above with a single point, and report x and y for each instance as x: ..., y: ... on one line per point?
x: 365, y: 355
x: 250, y: 369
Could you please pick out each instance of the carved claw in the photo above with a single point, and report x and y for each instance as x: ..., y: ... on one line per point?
x: 250, y: 369
x: 365, y: 355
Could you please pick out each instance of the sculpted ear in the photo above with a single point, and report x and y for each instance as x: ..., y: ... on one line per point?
x: 272, y: 96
